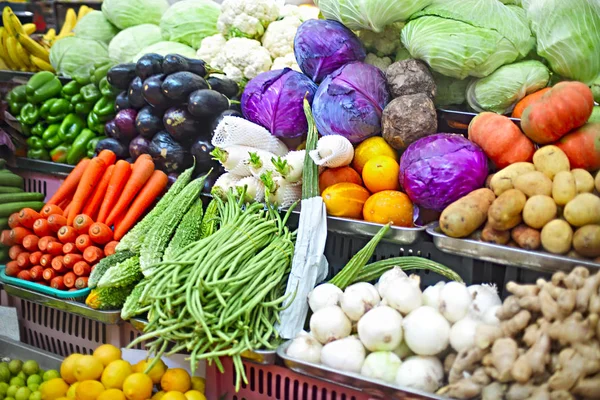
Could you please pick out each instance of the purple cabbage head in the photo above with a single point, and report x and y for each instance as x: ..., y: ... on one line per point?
x: 437, y: 170
x: 350, y: 101
x: 322, y: 46
x: 274, y: 99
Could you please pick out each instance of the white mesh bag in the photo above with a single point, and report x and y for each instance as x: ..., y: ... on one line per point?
x: 333, y: 151
x: 238, y: 131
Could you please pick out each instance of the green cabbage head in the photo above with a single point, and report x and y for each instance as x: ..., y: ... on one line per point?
x: 131, y: 41
x: 373, y: 15
x: 190, y: 21
x: 94, y: 25
x: 460, y: 38
x: 70, y: 53
x: 568, y: 36
x: 128, y: 13
x: 450, y: 91
x: 164, y: 48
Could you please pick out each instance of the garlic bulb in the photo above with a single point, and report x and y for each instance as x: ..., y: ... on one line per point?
x: 333, y: 151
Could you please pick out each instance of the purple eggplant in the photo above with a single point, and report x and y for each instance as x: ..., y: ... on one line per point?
x: 201, y: 151
x: 148, y: 122
x: 169, y: 155
x: 123, y: 128
x: 138, y: 146
x: 120, y: 150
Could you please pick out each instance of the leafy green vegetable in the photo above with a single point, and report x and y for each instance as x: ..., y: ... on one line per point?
x: 70, y: 53
x: 449, y: 90
x: 131, y: 41
x: 190, y: 21
x: 94, y: 25
x: 128, y: 13
x: 164, y: 48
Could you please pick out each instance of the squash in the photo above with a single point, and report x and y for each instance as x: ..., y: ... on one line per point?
x: 566, y: 107
x: 527, y: 101
x: 501, y: 140
x: 582, y: 147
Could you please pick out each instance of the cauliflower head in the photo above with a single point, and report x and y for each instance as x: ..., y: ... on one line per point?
x: 246, y: 18
x: 287, y: 61
x: 241, y: 59
x: 303, y: 12
x: 210, y: 47
x: 380, y: 62
x: 384, y: 44
x: 279, y: 36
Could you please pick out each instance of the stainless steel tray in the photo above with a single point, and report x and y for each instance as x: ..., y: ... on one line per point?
x: 73, y: 307
x: 534, y: 260
x: 45, y: 167
x: 17, y: 350
x: 372, y: 387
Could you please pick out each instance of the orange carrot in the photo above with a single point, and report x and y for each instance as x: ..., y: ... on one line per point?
x: 41, y: 227
x: 23, y: 260
x: 66, y: 212
x: 43, y: 242
x: 63, y: 204
x: 57, y: 283
x: 50, y: 209
x: 25, y: 275
x: 12, y: 269
x: 58, y: 264
x: 70, y: 248
x: 56, y: 221
x: 67, y: 234
x: 119, y: 219
x: 30, y: 242
x: 82, y: 224
x: 55, y: 248
x: 71, y: 259
x: 119, y: 178
x: 109, y: 248
x: 107, y: 156
x: 140, y: 173
x: 48, y: 274
x: 93, y: 254
x: 69, y: 186
x: 100, y: 233
x: 36, y: 272
x: 81, y: 282
x: 27, y: 217
x: 35, y: 257
x: 5, y: 238
x: 146, y: 156
x: 46, y: 260
x: 152, y: 189
x: 14, y: 251
x: 90, y: 178
x: 82, y: 269
x: 93, y: 204
x: 18, y: 234
x: 83, y: 242
x: 13, y: 220
x: 69, y: 279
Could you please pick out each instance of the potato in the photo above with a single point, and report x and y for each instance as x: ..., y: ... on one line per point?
x: 505, y: 211
x: 584, y: 181
x: 491, y: 235
x: 488, y: 181
x: 584, y: 209
x: 534, y: 183
x: 597, y: 182
x: 557, y: 236
x: 526, y: 237
x: 550, y: 160
x: 538, y: 211
x: 464, y: 216
x: 503, y: 180
x: 563, y: 188
x: 586, y: 241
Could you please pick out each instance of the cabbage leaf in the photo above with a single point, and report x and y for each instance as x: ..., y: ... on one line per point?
x: 94, y: 25
x: 190, y: 21
x: 163, y: 48
x: 71, y: 53
x: 127, y: 13
x: 131, y: 41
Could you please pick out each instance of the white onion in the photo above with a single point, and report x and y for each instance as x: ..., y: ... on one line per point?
x: 421, y: 373
x: 462, y: 333
x: 346, y: 354
x: 306, y: 348
x: 431, y: 295
x: 426, y: 331
x: 358, y: 299
x: 490, y: 318
x: 403, y: 351
x: 381, y: 365
x: 387, y: 277
x: 380, y: 329
x: 330, y: 323
x: 324, y: 295
x: 455, y: 300
x: 484, y: 297
x: 403, y: 294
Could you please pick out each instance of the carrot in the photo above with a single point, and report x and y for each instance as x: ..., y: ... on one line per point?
x: 107, y: 156
x: 30, y: 242
x: 140, y: 173
x: 50, y: 209
x: 43, y: 242
x: 36, y: 272
x: 120, y: 175
x: 93, y: 254
x: 56, y: 221
x: 48, y: 274
x: 70, y: 248
x: 146, y: 156
x: 23, y: 260
x: 55, y: 248
x: 91, y: 177
x: 69, y: 279
x: 58, y: 264
x: 93, y: 205
x: 81, y: 282
x: 35, y: 257
x: 25, y: 275
x: 14, y: 251
x: 67, y: 234
x: 69, y: 186
x: 6, y: 239
x: 41, y: 227
x: 27, y: 217
x: 18, y: 234
x: 71, y: 259
x: 57, y: 283
x: 82, y: 268
x: 63, y: 204
x: 100, y: 233
x: 66, y: 212
x: 46, y: 260
x: 83, y: 242
x: 13, y: 220
x: 82, y: 224
x: 12, y: 268
x: 109, y: 248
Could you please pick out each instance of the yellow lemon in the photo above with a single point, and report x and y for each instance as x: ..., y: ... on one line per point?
x: 67, y: 368
x: 107, y: 353
x: 71, y: 391
x: 115, y: 373
x: 173, y: 396
x: 176, y: 379
x: 53, y: 389
x: 155, y: 373
x: 158, y: 395
x: 194, y: 395
x: 198, y: 384
x: 138, y: 386
x: 88, y: 368
x: 88, y: 390
x: 112, y: 394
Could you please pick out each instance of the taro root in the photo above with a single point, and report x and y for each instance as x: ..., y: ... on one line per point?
x: 410, y: 77
x: 407, y: 119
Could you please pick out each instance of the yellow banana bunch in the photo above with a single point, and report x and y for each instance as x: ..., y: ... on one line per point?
x: 69, y: 24
x: 83, y: 11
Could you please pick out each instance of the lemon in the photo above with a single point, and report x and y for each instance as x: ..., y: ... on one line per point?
x: 71, y: 391
x: 107, y: 353
x: 176, y: 379
x: 155, y: 373
x: 53, y: 389
x: 115, y: 373
x: 138, y: 386
x: 194, y: 395
x: 112, y: 394
x: 88, y: 390
x: 158, y: 395
x: 88, y: 368
x: 173, y: 396
x: 31, y: 367
x: 50, y: 374
x: 67, y: 368
x: 198, y: 384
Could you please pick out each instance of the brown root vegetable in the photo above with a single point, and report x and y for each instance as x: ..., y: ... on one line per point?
x: 576, y: 278
x: 557, y: 236
x: 505, y: 211
x: 563, y: 188
x: 466, y: 361
x: 504, y: 355
x: 504, y: 179
x: 407, y: 119
x: 526, y: 237
x: 586, y: 241
x: 550, y: 160
x: 588, y: 387
x: 491, y: 235
x: 486, y: 335
x: 573, y: 329
x: 584, y: 294
x: 464, y: 216
x: 521, y: 290
x: 534, y: 183
x: 561, y: 395
x: 516, y: 324
x: 410, y: 77
x: 493, y: 391
x: 518, y: 391
x: 539, y: 210
x: 572, y: 368
x: 510, y: 307
x: 533, y: 362
x: 463, y: 389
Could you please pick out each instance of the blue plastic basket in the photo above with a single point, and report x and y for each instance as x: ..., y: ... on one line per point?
x: 61, y: 294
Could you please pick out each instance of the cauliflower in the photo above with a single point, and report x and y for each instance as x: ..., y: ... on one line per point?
x: 246, y: 18
x: 210, y: 47
x: 279, y: 36
x: 287, y: 61
x: 240, y: 58
x: 380, y: 62
x: 384, y: 44
x: 303, y: 13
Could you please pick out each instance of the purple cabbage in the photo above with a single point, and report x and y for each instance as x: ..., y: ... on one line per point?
x: 437, y: 170
x: 322, y: 46
x: 274, y: 99
x: 350, y: 102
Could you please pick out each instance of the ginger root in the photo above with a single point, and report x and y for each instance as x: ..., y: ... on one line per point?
x: 586, y: 291
x: 509, y: 308
x: 522, y: 290
x: 576, y: 278
x: 504, y: 354
x: 516, y: 324
x: 572, y: 367
x: 533, y: 362
x: 463, y: 389
x: 588, y: 388
x: 466, y: 361
x: 486, y: 335
x: 493, y: 391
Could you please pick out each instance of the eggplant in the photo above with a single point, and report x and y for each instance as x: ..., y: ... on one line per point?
x: 179, y: 85
x: 109, y: 128
x: 182, y: 125
x: 121, y: 75
x: 201, y: 152
x: 120, y: 150
x: 227, y: 113
x: 171, y: 179
x: 210, y: 180
x: 169, y: 155
x: 148, y: 65
x: 175, y: 63
x: 122, y: 102
x: 225, y: 86
x: 148, y: 123
x: 138, y: 146
x: 135, y: 94
x: 207, y: 103
x: 153, y: 93
x: 124, y: 125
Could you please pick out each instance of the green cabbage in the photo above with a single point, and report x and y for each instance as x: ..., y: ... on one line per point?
x: 190, y: 21
x: 131, y: 41
x: 373, y: 15
x: 460, y: 38
x: 94, y: 25
x: 500, y: 91
x: 70, y: 53
x: 450, y: 91
x: 164, y: 48
x: 568, y: 36
x: 128, y: 13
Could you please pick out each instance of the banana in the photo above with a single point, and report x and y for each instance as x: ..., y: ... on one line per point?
x: 29, y: 29
x: 4, y: 52
x: 6, y: 21
x: 83, y: 11
x: 16, y: 23
x: 51, y: 34
x: 11, y: 47
x: 23, y: 55
x: 33, y: 47
x: 41, y: 64
x: 3, y: 65
x: 70, y: 22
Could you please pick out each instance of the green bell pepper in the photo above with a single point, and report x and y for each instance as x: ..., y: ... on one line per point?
x: 25, y: 129
x: 70, y: 89
x: 82, y: 74
x: 35, y: 143
x: 105, y: 106
x: 90, y: 93
x: 94, y: 123
x: 79, y: 147
x: 42, y: 86
x: 16, y: 99
x: 100, y: 71
x: 39, y: 154
x: 76, y: 99
x: 84, y: 108
x: 59, y: 154
x: 51, y: 137
x: 30, y: 113
x: 70, y: 128
x: 55, y: 110
x: 91, y: 147
x: 38, y: 129
x: 107, y: 89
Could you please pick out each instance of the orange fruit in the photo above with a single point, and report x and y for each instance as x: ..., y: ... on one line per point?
x: 331, y: 176
x: 138, y: 386
x: 371, y: 148
x: 381, y: 173
x: 345, y: 200
x: 389, y: 206
x: 67, y: 368
x: 107, y: 353
x: 176, y: 379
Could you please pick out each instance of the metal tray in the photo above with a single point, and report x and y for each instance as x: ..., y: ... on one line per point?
x: 457, y: 121
x: 17, y: 350
x: 535, y: 260
x: 45, y: 167
x: 372, y: 387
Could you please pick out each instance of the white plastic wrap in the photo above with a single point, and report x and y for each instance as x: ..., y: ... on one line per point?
x: 224, y: 183
x: 238, y: 131
x: 255, y: 189
x: 333, y: 151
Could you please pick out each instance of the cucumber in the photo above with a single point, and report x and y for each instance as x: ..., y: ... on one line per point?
x: 3, y: 223
x: 7, y: 209
x: 10, y: 189
x: 19, y: 197
x: 10, y: 179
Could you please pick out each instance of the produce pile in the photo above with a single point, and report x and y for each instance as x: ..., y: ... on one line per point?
x: 22, y: 380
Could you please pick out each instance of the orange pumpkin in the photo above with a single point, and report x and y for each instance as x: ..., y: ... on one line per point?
x: 331, y: 176
x: 582, y: 147
x: 345, y: 200
x: 389, y: 206
x: 527, y: 101
x: 566, y: 107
